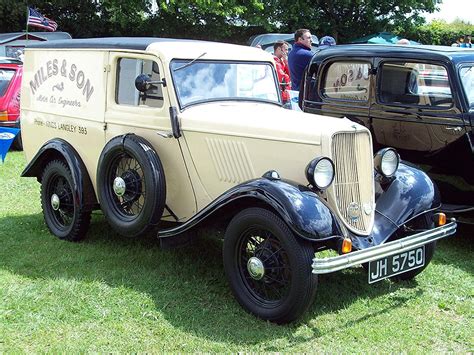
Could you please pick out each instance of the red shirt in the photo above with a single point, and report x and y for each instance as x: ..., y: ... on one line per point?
x: 283, y: 72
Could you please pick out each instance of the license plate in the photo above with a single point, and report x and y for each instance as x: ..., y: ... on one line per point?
x: 396, y: 264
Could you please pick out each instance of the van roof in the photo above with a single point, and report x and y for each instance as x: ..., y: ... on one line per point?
x: 137, y: 43
x: 169, y: 48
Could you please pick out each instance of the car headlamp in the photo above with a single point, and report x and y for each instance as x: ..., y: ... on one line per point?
x: 386, y: 162
x: 320, y: 172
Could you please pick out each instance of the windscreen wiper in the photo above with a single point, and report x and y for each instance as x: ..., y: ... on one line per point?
x: 189, y: 63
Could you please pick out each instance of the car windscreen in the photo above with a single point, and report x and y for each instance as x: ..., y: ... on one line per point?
x: 6, y: 76
x: 467, y: 78
x: 200, y: 81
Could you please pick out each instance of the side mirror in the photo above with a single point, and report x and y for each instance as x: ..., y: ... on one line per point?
x: 143, y: 82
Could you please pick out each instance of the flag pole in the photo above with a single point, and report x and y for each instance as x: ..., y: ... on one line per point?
x: 27, y: 16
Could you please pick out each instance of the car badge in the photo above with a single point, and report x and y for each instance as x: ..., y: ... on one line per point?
x: 367, y: 208
x: 353, y: 210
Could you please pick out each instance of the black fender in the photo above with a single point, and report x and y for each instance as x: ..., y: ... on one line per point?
x: 299, y: 207
x: 408, y: 195
x: 58, y: 148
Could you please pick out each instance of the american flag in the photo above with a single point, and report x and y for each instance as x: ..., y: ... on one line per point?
x: 38, y: 20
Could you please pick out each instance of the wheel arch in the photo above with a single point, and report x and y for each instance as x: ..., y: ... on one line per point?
x: 60, y: 149
x: 299, y: 207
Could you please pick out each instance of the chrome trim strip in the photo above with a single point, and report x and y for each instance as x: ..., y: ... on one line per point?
x: 336, y: 263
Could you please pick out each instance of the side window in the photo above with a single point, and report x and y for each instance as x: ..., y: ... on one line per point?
x: 127, y: 71
x: 6, y: 76
x: 415, y: 84
x: 467, y: 79
x: 347, y: 81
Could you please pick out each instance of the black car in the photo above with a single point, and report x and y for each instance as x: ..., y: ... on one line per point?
x: 418, y: 99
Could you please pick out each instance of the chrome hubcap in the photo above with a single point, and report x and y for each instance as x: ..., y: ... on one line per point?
x: 55, y: 202
x: 255, y: 268
x: 119, y: 186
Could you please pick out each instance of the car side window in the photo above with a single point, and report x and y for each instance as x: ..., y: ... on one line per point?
x: 347, y: 81
x: 6, y: 76
x: 126, y: 93
x: 418, y: 84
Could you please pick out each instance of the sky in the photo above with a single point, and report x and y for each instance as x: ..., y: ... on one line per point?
x: 452, y: 9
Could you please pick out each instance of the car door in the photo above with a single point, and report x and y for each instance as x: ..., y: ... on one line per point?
x: 415, y: 107
x: 342, y: 88
x: 148, y: 115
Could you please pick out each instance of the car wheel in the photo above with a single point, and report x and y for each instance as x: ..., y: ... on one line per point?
x: 268, y: 268
x: 424, y: 222
x: 131, y: 185
x: 61, y: 210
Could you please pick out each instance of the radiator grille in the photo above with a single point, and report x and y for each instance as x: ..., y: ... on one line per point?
x: 353, y: 185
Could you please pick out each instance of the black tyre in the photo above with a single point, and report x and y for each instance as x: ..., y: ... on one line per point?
x: 423, y: 222
x: 268, y: 268
x: 131, y: 185
x: 61, y: 210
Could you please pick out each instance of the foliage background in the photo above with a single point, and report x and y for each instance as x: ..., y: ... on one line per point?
x: 236, y: 20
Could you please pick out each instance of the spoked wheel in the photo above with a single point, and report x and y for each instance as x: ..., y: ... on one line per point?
x: 264, y: 265
x: 268, y: 269
x: 128, y: 183
x: 61, y: 210
x: 131, y: 185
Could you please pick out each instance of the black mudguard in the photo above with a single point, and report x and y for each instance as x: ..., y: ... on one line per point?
x: 408, y: 195
x: 301, y: 208
x: 60, y: 149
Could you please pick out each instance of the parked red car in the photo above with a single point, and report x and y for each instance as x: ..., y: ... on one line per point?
x: 11, y: 72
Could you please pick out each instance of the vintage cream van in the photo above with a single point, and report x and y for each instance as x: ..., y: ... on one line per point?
x: 165, y: 135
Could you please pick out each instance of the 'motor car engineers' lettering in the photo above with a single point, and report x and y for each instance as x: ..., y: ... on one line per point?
x: 54, y: 68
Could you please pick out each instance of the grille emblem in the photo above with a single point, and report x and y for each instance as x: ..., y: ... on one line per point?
x: 367, y: 209
x: 353, y: 211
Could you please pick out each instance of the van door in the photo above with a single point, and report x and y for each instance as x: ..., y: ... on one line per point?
x: 129, y: 111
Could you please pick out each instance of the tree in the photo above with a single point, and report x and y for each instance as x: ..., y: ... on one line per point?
x: 347, y: 19
x: 13, y: 15
x: 220, y: 20
x: 439, y: 32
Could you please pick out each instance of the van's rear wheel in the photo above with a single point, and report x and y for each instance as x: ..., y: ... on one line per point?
x: 268, y: 268
x: 131, y: 185
x: 61, y: 210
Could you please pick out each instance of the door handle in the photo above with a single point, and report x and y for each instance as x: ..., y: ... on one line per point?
x: 165, y: 134
x: 453, y: 129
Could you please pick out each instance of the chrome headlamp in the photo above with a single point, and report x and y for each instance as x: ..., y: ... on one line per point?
x: 320, y: 172
x: 386, y: 162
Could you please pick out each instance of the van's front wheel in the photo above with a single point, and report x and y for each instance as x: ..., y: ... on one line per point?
x: 268, y: 268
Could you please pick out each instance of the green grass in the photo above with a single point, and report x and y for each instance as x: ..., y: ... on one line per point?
x: 110, y: 293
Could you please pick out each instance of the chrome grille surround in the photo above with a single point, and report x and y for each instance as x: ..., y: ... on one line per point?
x: 353, y: 188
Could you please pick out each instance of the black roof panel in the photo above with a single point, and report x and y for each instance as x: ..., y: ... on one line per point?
x: 136, y: 43
x: 445, y: 53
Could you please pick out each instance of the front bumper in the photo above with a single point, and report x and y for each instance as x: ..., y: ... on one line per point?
x: 327, y: 265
